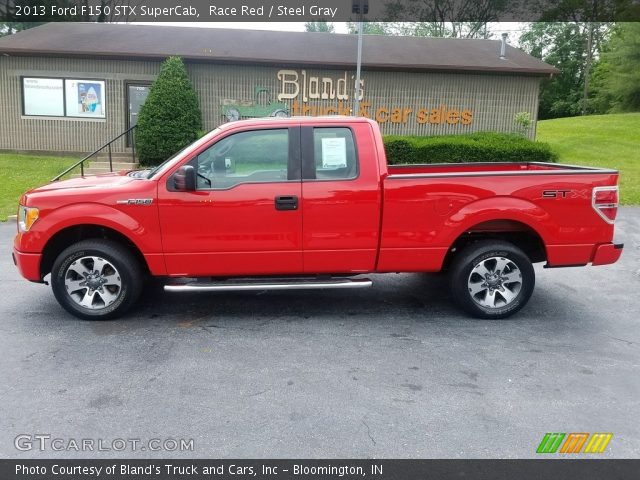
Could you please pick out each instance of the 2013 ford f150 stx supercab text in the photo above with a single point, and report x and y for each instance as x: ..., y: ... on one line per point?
x: 298, y: 203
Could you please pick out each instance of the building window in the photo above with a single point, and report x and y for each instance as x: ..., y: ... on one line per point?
x: 84, y: 98
x: 63, y: 97
x: 43, y: 96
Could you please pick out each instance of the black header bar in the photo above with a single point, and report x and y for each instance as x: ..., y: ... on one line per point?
x: 558, y: 469
x: 318, y: 10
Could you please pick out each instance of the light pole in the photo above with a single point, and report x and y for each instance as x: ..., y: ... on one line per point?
x: 361, y: 8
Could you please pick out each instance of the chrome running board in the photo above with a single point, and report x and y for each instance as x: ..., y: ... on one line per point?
x: 263, y: 284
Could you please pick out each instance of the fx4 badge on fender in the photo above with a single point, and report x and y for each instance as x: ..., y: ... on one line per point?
x: 136, y: 201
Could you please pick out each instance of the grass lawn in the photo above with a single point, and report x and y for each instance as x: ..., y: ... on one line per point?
x: 611, y: 141
x: 19, y: 173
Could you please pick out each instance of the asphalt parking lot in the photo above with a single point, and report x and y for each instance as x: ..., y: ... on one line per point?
x: 394, y: 371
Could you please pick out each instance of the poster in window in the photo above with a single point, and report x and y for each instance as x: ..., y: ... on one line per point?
x: 85, y: 98
x: 43, y: 96
x: 334, y: 153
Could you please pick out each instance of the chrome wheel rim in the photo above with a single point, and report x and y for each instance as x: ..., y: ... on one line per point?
x: 93, y: 282
x: 494, y: 282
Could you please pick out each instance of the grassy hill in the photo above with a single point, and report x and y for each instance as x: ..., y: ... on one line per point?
x: 611, y: 141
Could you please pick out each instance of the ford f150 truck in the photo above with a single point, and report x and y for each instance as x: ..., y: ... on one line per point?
x: 299, y: 203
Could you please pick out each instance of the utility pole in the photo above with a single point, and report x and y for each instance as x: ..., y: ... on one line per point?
x: 359, y: 7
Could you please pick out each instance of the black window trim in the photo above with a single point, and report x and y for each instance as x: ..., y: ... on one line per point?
x: 308, y: 154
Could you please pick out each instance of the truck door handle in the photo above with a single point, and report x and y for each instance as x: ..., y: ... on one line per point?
x: 286, y: 202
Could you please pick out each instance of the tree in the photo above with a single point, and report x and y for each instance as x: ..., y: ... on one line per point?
x: 592, y: 15
x: 170, y: 118
x: 444, y: 29
x: 446, y: 18
x: 319, y: 27
x: 424, y: 29
x: 9, y: 28
x: 616, y: 77
x: 566, y: 46
x: 448, y: 29
x: 371, y: 28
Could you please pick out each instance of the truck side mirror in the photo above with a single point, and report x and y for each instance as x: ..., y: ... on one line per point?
x: 184, y: 180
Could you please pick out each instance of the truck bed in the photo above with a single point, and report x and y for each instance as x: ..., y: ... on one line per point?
x: 427, y: 207
x: 491, y: 168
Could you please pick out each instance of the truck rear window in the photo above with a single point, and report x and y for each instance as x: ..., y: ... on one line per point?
x: 334, y: 154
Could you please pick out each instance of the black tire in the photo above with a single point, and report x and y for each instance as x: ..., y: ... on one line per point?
x: 508, y: 288
x: 117, y: 265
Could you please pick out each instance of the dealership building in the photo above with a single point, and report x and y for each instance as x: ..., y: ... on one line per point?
x: 71, y: 87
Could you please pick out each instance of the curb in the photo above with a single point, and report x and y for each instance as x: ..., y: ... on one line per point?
x: 12, y: 217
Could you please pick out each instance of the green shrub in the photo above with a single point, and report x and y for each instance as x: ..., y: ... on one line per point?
x: 170, y: 118
x: 522, y: 121
x: 474, y: 147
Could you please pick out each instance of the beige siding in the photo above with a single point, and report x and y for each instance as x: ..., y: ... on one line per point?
x: 493, y: 99
x: 66, y: 134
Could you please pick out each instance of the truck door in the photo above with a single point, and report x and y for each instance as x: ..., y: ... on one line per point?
x: 244, y: 217
x: 340, y: 198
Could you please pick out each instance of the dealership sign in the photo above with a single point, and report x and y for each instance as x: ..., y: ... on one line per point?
x: 332, y: 92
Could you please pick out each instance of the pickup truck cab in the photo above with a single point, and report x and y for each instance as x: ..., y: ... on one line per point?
x: 298, y: 203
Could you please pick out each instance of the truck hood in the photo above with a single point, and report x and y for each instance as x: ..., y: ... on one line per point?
x: 105, y: 180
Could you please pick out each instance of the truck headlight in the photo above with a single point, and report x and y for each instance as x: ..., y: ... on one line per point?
x: 26, y: 217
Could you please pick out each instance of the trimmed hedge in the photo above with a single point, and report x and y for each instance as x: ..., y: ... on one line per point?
x: 474, y: 147
x: 170, y: 118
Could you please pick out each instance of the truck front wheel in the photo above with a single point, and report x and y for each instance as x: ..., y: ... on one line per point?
x: 492, y: 279
x: 96, y: 279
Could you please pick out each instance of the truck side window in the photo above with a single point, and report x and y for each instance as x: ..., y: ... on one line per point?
x: 334, y: 154
x: 245, y: 157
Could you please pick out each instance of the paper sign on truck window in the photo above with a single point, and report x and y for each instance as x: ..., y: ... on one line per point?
x: 334, y: 153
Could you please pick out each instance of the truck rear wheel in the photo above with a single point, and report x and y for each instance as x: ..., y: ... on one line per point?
x: 492, y: 279
x: 96, y: 279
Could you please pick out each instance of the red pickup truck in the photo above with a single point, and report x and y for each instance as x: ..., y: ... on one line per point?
x: 299, y: 203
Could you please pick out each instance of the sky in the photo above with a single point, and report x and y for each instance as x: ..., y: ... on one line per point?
x: 512, y: 28
x: 340, y: 27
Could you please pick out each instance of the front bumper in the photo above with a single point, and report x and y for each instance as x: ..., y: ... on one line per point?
x: 607, y: 253
x: 28, y: 264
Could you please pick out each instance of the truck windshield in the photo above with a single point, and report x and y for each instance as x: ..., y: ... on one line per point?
x: 157, y: 168
x: 194, y: 145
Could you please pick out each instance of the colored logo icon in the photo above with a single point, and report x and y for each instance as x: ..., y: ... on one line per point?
x: 573, y: 442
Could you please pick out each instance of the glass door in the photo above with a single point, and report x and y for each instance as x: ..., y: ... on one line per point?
x: 137, y: 93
